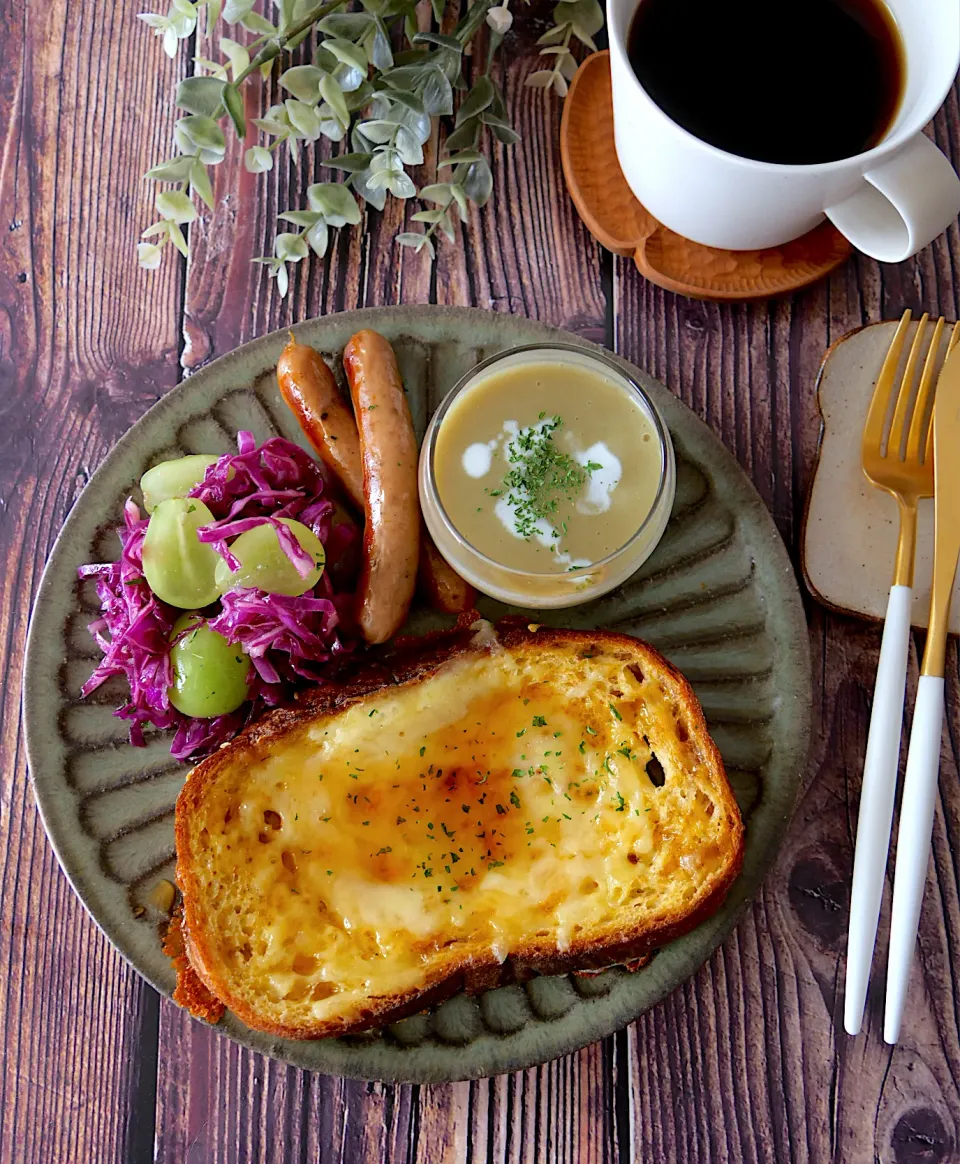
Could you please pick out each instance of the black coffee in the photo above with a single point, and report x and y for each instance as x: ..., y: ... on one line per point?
x: 791, y: 81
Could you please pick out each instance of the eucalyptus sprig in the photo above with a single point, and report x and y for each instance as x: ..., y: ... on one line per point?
x: 355, y: 89
x: 580, y: 19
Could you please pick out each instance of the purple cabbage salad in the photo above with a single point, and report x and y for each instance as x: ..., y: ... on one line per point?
x: 292, y: 642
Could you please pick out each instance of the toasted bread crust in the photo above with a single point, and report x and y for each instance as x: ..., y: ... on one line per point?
x: 190, y: 992
x: 408, y: 662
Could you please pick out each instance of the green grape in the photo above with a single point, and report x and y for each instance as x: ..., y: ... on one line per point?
x: 173, y: 479
x: 264, y: 565
x: 209, y: 674
x: 179, y: 568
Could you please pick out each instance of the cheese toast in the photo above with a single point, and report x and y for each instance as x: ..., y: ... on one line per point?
x: 460, y: 815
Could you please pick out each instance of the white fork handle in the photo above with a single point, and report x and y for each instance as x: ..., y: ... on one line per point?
x: 876, y: 803
x: 913, y: 845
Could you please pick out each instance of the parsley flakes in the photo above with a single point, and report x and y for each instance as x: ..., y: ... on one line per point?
x: 541, y: 478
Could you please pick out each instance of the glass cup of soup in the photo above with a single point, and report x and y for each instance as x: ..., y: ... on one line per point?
x: 547, y: 476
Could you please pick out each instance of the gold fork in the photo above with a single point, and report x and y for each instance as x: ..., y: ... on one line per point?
x: 897, y: 457
x: 920, y: 781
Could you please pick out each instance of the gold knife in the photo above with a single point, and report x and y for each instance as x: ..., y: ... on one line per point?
x: 923, y: 759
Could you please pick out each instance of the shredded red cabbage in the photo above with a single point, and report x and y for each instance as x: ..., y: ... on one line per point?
x: 291, y: 641
x: 287, y: 639
x: 258, y: 486
x: 139, y: 626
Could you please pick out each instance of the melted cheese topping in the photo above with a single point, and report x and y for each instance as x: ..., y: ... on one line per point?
x: 482, y: 810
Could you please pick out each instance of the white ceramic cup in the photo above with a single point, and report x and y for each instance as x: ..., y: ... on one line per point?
x: 889, y: 201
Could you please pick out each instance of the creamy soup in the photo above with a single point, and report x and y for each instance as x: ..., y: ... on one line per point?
x: 547, y: 467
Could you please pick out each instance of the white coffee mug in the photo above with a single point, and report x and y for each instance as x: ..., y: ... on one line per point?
x: 889, y: 201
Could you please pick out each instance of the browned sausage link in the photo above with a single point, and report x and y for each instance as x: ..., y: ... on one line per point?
x: 388, y: 449
x: 441, y: 585
x: 308, y: 387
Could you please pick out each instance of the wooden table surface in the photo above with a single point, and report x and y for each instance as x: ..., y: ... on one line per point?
x: 746, y: 1062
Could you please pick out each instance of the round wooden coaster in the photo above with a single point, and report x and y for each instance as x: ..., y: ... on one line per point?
x: 619, y: 222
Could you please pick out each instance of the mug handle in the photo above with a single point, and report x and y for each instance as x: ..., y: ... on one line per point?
x: 901, y: 205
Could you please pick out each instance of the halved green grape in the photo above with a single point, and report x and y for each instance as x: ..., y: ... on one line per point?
x: 209, y: 674
x: 265, y: 566
x: 173, y: 479
x: 179, y: 568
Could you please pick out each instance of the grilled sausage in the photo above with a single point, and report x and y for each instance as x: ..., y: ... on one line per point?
x: 308, y: 387
x: 388, y: 450
x: 440, y: 584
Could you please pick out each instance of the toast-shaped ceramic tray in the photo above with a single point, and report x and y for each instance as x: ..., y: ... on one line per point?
x: 850, y: 530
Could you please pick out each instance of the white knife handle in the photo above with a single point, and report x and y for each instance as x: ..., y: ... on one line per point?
x: 913, y: 845
x: 876, y: 803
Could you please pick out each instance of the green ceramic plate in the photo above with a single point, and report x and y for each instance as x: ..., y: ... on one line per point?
x: 718, y: 597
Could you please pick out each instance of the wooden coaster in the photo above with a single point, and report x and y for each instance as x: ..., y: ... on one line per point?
x: 620, y: 223
x: 850, y: 529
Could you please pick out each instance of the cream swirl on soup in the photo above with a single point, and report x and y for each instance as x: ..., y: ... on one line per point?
x: 547, y: 468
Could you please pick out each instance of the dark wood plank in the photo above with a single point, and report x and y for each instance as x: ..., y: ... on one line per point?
x: 86, y: 345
